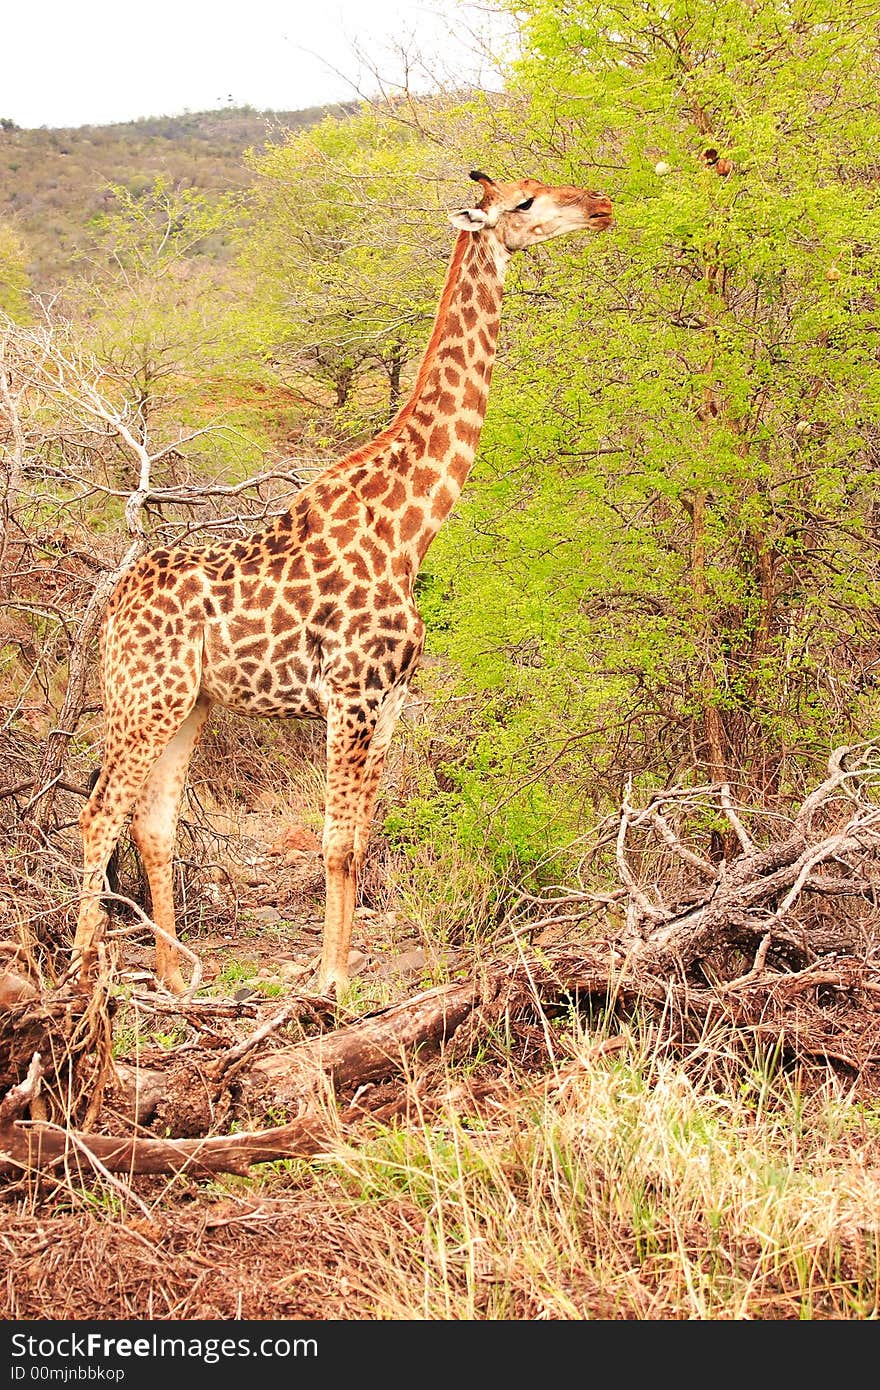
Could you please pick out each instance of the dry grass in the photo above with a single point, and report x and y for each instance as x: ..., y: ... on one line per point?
x: 621, y: 1189
x: 592, y: 1176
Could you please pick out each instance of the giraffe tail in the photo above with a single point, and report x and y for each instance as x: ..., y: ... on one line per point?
x: 112, y: 870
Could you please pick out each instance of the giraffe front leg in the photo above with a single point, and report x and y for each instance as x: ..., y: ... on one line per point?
x: 355, y: 758
x: 340, y: 878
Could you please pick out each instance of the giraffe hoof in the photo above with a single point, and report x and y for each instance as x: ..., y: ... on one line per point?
x: 174, y: 983
x: 334, y: 988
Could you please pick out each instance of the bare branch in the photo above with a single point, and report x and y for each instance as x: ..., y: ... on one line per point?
x: 688, y: 855
x: 738, y: 827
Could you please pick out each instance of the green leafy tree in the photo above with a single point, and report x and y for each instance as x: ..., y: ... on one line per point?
x: 666, y: 564
x: 346, y: 243
x: 165, y: 318
x: 149, y: 297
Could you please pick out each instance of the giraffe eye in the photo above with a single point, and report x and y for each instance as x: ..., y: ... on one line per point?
x: 524, y: 207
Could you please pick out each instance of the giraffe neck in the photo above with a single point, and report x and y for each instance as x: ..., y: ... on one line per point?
x: 414, y: 471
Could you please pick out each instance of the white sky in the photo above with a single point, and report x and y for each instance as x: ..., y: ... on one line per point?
x: 94, y: 62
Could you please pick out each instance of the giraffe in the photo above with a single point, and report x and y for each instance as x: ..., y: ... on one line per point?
x: 313, y: 615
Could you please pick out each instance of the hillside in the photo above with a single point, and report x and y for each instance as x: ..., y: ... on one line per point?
x: 53, y: 182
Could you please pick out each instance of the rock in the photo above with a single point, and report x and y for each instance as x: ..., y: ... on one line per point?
x: 296, y: 839
x: 292, y: 970
x: 407, y: 963
x: 14, y: 988
x: 264, y: 914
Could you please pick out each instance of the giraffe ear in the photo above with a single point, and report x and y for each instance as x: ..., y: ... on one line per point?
x: 469, y: 219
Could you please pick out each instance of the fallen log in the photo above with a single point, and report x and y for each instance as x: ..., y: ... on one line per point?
x: 357, y: 1052
x: 826, y: 1014
x: 31, y: 1147
x: 35, y: 1146
x: 379, y: 1044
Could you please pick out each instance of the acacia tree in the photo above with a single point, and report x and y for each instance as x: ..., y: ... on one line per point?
x: 346, y: 243
x: 670, y: 543
x: 154, y: 304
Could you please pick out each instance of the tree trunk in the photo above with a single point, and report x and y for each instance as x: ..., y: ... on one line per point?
x: 79, y: 673
x: 395, y: 371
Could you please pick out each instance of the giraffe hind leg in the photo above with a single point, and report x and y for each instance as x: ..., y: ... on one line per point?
x: 121, y: 777
x: 154, y: 830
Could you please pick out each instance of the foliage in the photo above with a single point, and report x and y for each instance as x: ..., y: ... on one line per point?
x: 146, y: 302
x: 346, y: 245
x: 666, y: 559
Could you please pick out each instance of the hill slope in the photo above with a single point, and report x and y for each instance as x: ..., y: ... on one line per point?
x: 53, y: 182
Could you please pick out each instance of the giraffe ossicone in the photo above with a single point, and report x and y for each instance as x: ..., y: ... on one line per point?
x: 313, y: 615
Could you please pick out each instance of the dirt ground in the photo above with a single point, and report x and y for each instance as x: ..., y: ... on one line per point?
x: 220, y: 1257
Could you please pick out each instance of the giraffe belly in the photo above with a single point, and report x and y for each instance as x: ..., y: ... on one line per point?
x: 282, y: 704
x: 261, y: 677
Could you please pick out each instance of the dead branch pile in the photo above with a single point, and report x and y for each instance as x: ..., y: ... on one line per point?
x: 775, y: 951
x: 793, y: 890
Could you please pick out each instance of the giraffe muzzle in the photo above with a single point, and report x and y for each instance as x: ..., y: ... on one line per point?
x: 601, y: 214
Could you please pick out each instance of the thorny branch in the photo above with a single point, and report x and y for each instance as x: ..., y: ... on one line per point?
x: 678, y: 912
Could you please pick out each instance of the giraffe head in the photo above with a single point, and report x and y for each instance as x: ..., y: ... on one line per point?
x: 524, y: 213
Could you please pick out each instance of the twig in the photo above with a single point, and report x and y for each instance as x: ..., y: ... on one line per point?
x: 838, y: 775
x: 18, y: 1098
x: 71, y: 1137
x: 739, y: 829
